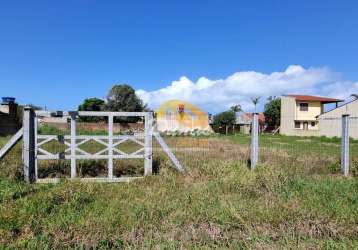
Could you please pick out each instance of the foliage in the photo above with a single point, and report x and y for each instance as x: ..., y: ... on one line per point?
x: 273, y: 111
x: 123, y: 98
x: 236, y: 108
x: 92, y: 104
x: 255, y: 101
x: 225, y: 118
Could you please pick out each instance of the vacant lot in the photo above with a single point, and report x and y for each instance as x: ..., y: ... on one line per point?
x: 294, y: 199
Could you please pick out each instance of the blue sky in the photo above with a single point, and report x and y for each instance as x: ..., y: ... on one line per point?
x: 56, y: 53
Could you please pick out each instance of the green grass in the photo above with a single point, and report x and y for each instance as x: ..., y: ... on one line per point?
x: 298, y: 145
x: 286, y: 203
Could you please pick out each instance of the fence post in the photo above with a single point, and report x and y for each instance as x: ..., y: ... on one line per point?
x: 35, y: 144
x: 73, y: 144
x: 110, y: 146
x: 148, y: 161
x: 345, y: 145
x: 254, y: 141
x: 29, y: 144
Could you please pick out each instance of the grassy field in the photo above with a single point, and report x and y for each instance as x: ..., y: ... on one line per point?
x: 295, y: 199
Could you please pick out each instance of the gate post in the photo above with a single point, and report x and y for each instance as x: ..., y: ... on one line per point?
x: 110, y: 146
x: 28, y: 150
x: 148, y: 161
x: 254, y: 141
x: 345, y: 145
x: 73, y: 144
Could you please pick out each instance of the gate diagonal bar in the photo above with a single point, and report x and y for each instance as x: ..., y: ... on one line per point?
x: 71, y: 144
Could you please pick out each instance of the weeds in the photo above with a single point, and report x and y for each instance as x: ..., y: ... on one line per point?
x: 291, y: 201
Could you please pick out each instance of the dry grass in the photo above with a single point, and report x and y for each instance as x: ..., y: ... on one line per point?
x: 289, y: 201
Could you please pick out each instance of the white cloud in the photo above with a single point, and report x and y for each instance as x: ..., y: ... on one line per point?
x: 238, y: 88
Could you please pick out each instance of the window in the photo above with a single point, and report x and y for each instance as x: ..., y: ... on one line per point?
x: 297, y: 125
x: 303, y: 106
x: 313, y: 124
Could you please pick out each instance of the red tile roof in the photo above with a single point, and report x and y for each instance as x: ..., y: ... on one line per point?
x: 251, y: 115
x: 307, y: 98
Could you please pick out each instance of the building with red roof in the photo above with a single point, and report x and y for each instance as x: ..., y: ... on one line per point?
x: 299, y: 114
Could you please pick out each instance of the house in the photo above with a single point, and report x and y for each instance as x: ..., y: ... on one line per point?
x: 177, y: 115
x: 331, y: 122
x: 299, y: 114
x: 9, y: 121
x: 244, y: 120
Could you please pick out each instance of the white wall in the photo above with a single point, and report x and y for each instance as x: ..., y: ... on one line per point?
x: 331, y: 122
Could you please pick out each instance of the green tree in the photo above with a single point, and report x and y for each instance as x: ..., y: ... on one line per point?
x: 273, y: 111
x: 91, y: 104
x: 236, y: 108
x: 225, y: 118
x: 122, y: 98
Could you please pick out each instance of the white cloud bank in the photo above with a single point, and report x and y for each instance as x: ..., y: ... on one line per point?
x: 238, y: 88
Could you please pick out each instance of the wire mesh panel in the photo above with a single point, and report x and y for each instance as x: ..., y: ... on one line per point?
x: 198, y: 152
x: 11, y: 162
x: 303, y: 145
x: 353, y: 149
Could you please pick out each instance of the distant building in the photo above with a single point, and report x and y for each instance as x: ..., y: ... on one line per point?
x: 9, y: 121
x: 181, y: 116
x: 330, y: 123
x: 244, y: 120
x: 299, y: 114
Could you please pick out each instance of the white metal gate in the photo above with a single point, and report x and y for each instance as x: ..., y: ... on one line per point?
x: 111, y: 142
x: 33, y: 150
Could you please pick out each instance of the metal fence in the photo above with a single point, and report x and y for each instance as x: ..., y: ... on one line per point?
x: 315, y: 153
x: 328, y: 142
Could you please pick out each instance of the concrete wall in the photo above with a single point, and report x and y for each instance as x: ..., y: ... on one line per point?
x: 288, y: 113
x: 8, y: 124
x: 331, y: 123
x: 8, y: 119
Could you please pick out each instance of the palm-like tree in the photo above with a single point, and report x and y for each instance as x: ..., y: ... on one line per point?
x: 236, y: 108
x: 255, y: 101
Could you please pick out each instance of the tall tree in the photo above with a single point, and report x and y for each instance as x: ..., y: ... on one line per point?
x: 91, y: 104
x: 236, y: 108
x: 123, y: 98
x: 225, y: 118
x: 273, y: 111
x: 255, y: 101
